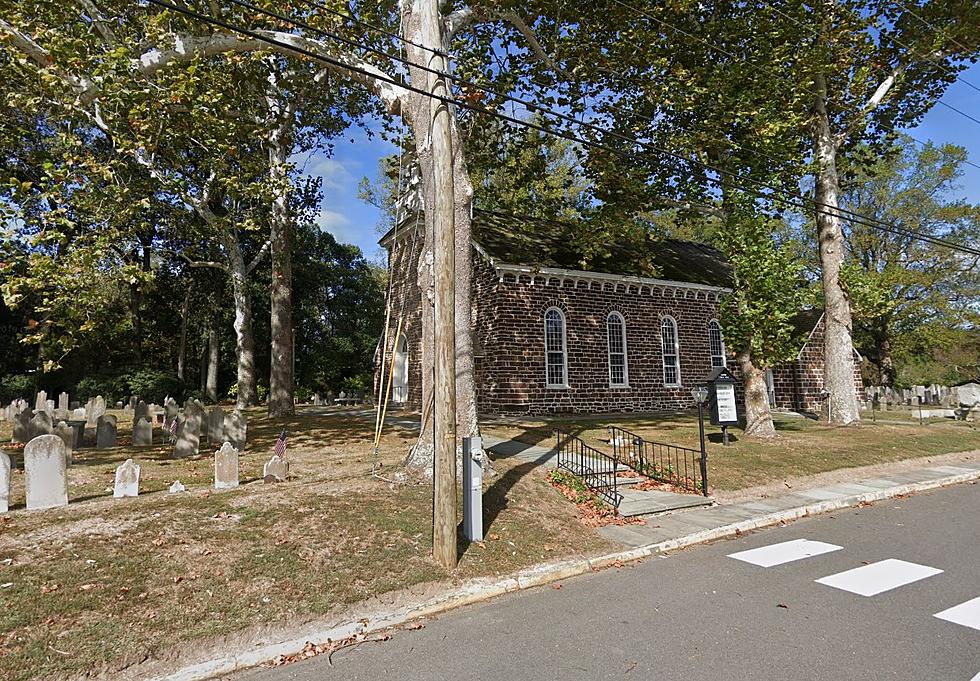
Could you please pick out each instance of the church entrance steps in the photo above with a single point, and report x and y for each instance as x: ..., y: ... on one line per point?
x: 651, y: 502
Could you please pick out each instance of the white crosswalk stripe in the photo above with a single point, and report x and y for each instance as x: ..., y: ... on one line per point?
x: 967, y: 614
x: 784, y: 552
x: 876, y: 578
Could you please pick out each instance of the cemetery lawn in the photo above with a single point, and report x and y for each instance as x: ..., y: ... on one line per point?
x: 106, y: 584
x: 805, y: 447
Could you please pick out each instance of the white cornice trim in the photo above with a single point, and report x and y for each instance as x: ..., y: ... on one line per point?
x: 549, y: 274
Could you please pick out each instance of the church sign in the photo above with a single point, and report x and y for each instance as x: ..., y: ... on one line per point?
x: 721, y: 385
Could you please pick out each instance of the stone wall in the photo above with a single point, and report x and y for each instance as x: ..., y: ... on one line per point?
x: 798, y: 384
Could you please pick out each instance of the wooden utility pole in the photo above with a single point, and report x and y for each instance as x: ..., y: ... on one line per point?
x: 444, y: 270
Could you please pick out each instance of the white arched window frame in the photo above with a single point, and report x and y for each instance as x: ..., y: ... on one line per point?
x: 670, y: 352
x: 616, y: 346
x: 399, y: 372
x: 555, y: 349
x: 716, y: 344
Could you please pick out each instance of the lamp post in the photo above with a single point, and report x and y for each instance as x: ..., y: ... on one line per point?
x: 700, y: 395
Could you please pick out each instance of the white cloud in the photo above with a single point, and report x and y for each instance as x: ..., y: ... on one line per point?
x: 336, y: 176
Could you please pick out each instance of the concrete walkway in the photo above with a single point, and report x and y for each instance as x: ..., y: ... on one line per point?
x: 699, y: 525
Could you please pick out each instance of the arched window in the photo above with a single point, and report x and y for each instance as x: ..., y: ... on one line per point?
x: 716, y: 344
x: 668, y: 343
x: 399, y: 373
x: 616, y: 339
x: 556, y: 360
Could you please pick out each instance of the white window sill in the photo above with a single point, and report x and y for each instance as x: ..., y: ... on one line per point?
x: 556, y: 387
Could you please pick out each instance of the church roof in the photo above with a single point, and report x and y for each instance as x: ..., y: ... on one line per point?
x: 535, y: 243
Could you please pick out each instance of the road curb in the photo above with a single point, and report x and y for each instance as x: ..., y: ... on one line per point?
x: 482, y: 589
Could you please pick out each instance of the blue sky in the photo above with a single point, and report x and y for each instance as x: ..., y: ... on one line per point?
x: 355, y: 156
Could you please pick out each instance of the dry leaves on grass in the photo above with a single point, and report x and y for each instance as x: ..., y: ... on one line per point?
x: 591, y: 510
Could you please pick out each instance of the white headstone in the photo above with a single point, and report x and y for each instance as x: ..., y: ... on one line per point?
x: 41, y: 401
x: 127, y: 480
x: 226, y: 467
x: 63, y: 401
x: 4, y: 481
x: 45, y: 474
x: 177, y: 487
x: 275, y: 469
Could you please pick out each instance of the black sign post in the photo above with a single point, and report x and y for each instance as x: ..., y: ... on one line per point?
x: 721, y: 399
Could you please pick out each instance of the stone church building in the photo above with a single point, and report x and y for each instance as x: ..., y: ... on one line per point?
x: 552, y: 337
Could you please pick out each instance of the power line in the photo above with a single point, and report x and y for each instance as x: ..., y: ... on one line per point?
x: 930, y: 25
x: 794, y: 201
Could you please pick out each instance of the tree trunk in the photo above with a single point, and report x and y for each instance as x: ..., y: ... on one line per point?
x: 211, y: 389
x: 281, y: 290
x: 758, y: 418
x: 838, y: 343
x: 416, y: 112
x: 185, y: 311
x: 248, y: 395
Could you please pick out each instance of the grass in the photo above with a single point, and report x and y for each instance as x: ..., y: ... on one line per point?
x: 104, y: 584
x: 804, y: 447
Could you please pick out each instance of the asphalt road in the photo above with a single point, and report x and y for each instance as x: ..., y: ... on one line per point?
x: 699, y: 614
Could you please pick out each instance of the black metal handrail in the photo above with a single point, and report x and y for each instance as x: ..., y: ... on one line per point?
x: 596, y: 469
x: 681, y: 466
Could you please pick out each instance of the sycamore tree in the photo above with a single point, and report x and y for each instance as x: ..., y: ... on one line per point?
x: 870, y: 67
x: 906, y: 291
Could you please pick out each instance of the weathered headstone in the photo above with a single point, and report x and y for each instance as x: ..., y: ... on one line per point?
x: 49, y: 406
x: 40, y: 424
x: 67, y: 435
x: 45, y: 474
x: 41, y: 401
x: 94, y: 409
x: 22, y: 426
x: 127, y: 480
x: 216, y: 425
x: 79, y: 413
x: 170, y: 411
x: 78, y: 428
x: 141, y: 411
x: 4, y: 481
x: 142, y: 433
x: 177, y: 487
x: 132, y: 401
x: 188, y: 435
x: 105, y: 432
x: 63, y: 401
x: 275, y: 469
x: 236, y: 429
x: 226, y: 467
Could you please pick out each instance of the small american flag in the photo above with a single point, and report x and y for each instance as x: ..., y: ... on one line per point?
x: 173, y: 429
x: 280, y: 448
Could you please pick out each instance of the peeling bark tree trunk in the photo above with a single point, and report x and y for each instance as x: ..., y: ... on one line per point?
x: 248, y: 395
x: 758, y: 418
x: 416, y: 113
x: 838, y: 343
x: 281, y: 290
x: 211, y: 388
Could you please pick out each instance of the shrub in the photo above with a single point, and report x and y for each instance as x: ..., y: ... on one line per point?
x: 302, y: 394
x: 14, y: 386
x: 112, y: 388
x: 153, y: 385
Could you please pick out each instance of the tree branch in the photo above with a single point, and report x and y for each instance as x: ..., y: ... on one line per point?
x: 258, y: 257
x: 214, y: 264
x: 99, y: 20
x: 873, y: 103
x: 85, y: 88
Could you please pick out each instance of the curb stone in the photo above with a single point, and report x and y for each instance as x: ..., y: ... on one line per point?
x: 482, y: 588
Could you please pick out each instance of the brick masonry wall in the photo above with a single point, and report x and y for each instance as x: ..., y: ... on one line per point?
x: 798, y: 384
x: 510, y: 326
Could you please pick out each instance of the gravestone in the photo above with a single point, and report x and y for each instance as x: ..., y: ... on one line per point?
x: 216, y: 425
x: 317, y: 400
x: 78, y: 428
x: 142, y: 433
x: 226, y: 467
x: 4, y: 481
x: 94, y: 409
x: 61, y: 415
x: 236, y: 428
x: 45, y: 474
x: 188, y: 434
x: 67, y: 435
x: 22, y: 427
x: 41, y: 401
x: 49, y: 406
x: 127, y: 480
x: 170, y: 411
x: 141, y: 411
x: 79, y: 413
x: 105, y: 432
x: 63, y: 401
x: 275, y: 469
x: 132, y: 401
x: 177, y: 487
x: 40, y: 424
